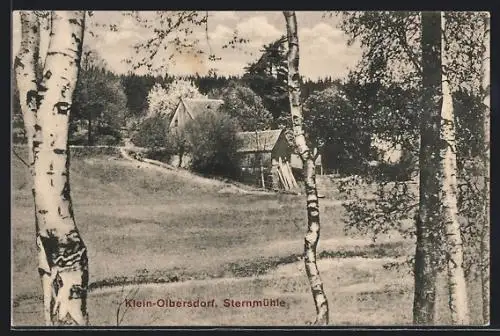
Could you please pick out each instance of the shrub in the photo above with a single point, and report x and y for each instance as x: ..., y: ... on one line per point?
x: 152, y: 132
x: 213, y: 144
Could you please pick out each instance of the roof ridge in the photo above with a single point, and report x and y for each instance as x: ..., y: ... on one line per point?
x: 203, y: 99
x: 261, y: 131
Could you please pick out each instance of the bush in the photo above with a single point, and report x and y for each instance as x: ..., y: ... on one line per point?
x: 213, y: 144
x: 152, y: 133
x: 400, y: 171
x: 109, y: 140
x: 160, y: 154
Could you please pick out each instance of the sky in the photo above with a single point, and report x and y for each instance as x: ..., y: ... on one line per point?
x: 323, y: 47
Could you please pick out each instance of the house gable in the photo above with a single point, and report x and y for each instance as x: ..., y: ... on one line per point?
x: 258, y: 141
x: 189, y: 109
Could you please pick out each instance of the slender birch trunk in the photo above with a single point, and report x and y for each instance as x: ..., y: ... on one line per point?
x: 63, y: 264
x: 457, y: 285
x: 485, y: 234
x: 313, y: 223
x: 25, y: 70
x: 428, y: 219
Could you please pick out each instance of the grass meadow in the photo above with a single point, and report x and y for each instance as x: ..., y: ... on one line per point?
x: 154, y: 233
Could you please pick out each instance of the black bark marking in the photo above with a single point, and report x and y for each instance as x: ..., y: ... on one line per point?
x: 62, y: 107
x: 40, y: 94
x: 52, y: 53
x: 66, y: 191
x: 57, y: 283
x: 59, y: 212
x: 77, y: 292
x: 42, y: 272
x: 67, y: 320
x: 18, y: 63
x: 42, y: 88
x: 48, y: 74
x: 84, y: 262
x: 77, y: 39
x: 43, y: 212
x: 59, y: 151
x: 65, y: 252
x: 50, y: 245
x: 74, y: 21
x: 37, y: 127
x: 30, y: 96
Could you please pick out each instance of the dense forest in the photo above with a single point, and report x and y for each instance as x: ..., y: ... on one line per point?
x: 342, y: 116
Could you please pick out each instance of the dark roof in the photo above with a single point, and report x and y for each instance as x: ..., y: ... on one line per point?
x: 195, y: 107
x: 258, y: 141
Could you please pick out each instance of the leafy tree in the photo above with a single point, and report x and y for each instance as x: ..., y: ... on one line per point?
x: 268, y: 78
x: 243, y: 104
x: 213, y: 142
x: 99, y: 108
x: 164, y: 101
x: 331, y: 126
x: 157, y: 103
x: 392, y: 57
x: 153, y: 134
x: 136, y: 89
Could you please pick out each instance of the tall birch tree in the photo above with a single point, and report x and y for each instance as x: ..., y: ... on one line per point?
x: 485, y: 234
x: 391, y: 43
x: 308, y: 159
x: 457, y: 286
x: 46, y: 105
x: 428, y: 220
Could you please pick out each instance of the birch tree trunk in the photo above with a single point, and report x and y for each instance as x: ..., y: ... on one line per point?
x: 25, y: 70
x: 63, y: 263
x: 313, y: 223
x: 485, y: 234
x: 454, y: 248
x: 428, y: 219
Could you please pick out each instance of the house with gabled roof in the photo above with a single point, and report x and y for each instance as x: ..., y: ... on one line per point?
x: 268, y: 159
x: 190, y: 108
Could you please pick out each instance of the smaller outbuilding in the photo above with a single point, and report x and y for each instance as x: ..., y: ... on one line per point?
x: 267, y: 159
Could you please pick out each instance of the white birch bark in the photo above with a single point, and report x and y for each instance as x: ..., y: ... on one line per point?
x: 485, y: 234
x: 25, y: 71
x: 313, y: 222
x: 63, y: 263
x: 456, y: 278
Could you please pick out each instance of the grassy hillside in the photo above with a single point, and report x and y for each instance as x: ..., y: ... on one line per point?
x: 145, y: 225
x: 134, y: 219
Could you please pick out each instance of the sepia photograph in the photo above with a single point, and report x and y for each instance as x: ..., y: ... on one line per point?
x: 250, y: 168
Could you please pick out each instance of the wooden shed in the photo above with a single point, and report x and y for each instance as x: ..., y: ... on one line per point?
x: 266, y: 159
